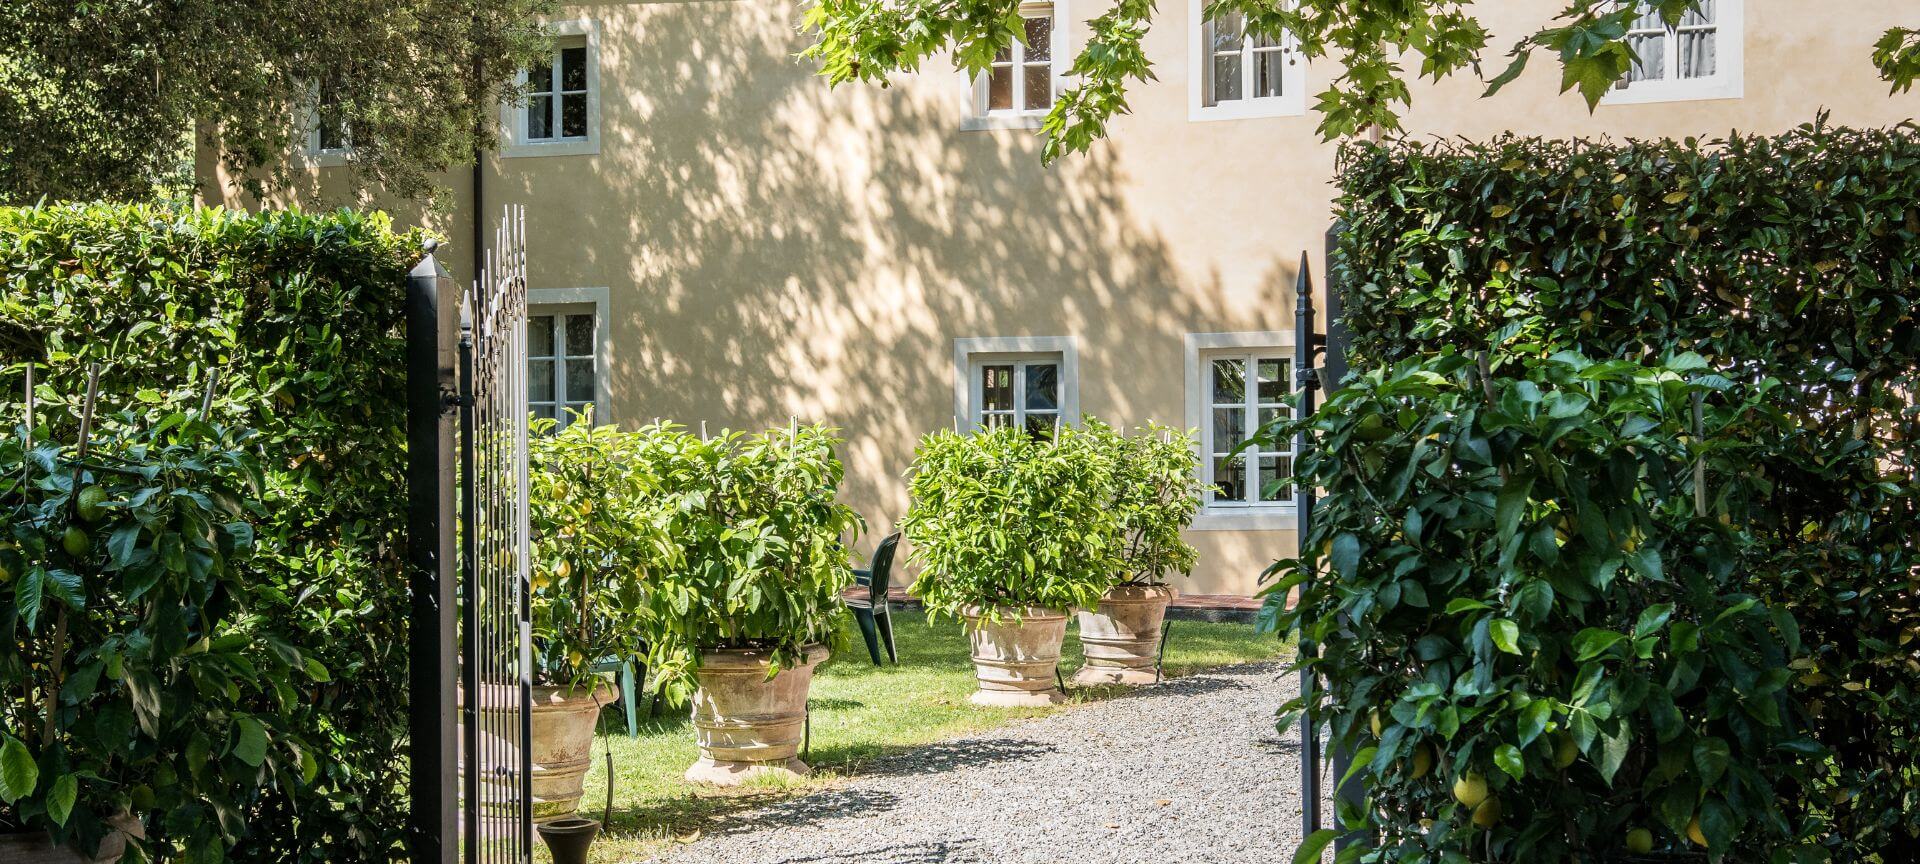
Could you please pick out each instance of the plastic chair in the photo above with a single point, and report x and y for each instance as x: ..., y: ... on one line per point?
x: 632, y: 674
x: 876, y: 619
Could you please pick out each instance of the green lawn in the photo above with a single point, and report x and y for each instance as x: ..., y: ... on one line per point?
x: 859, y: 712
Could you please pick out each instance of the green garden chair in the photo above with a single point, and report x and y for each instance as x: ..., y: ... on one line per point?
x: 876, y: 619
x: 632, y: 677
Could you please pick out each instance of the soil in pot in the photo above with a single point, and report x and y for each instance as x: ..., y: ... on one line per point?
x: 1016, y: 658
x: 1121, y: 639
x: 563, y: 722
x: 747, y: 724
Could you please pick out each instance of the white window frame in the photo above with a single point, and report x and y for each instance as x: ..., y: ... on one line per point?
x: 1201, y: 350
x: 513, y: 114
x: 979, y: 118
x: 1726, y: 82
x: 317, y: 156
x: 972, y: 355
x: 1292, y: 101
x: 576, y: 301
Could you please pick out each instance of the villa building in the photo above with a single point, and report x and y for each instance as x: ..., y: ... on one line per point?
x: 717, y: 236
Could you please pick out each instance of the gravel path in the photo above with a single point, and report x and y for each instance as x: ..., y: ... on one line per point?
x: 1213, y: 784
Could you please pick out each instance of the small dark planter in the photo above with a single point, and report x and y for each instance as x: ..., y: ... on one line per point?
x: 569, y: 839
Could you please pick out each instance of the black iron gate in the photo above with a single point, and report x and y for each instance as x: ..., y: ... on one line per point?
x: 470, y: 639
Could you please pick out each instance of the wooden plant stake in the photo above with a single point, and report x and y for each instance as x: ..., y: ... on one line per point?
x: 57, y: 664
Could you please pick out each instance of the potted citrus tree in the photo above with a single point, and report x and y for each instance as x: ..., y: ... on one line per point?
x: 752, y: 605
x: 597, y: 538
x: 1011, y: 531
x: 1155, y: 495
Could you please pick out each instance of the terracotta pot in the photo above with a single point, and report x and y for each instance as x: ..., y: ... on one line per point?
x: 563, y: 723
x: 746, y: 723
x: 1121, y: 639
x: 1015, y: 658
x: 37, y: 847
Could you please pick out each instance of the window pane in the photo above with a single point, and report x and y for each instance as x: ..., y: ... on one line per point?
x: 1000, y: 88
x: 1039, y: 39
x: 1697, y: 55
x: 1226, y: 34
x: 580, y: 380
x: 1229, y: 428
x: 547, y: 411
x: 1230, y: 479
x: 540, y: 117
x: 996, y: 392
x: 1043, y: 423
x: 573, y: 68
x: 1043, y: 387
x: 1706, y: 14
x: 1269, y: 69
x: 540, y: 79
x: 1267, y: 418
x: 579, y: 335
x: 1039, y: 87
x: 540, y: 336
x: 1273, y: 472
x: 996, y: 421
x: 1273, y: 381
x: 539, y: 380
x: 1226, y: 77
x: 1229, y: 381
x: 573, y: 116
x: 1652, y: 51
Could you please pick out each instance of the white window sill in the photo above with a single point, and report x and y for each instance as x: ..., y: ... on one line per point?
x: 567, y: 147
x: 1247, y: 109
x: 329, y: 158
x: 1272, y: 517
x: 1645, y: 93
x: 988, y: 122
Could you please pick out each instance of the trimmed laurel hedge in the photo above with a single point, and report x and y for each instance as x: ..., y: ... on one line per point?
x: 301, y: 314
x: 1777, y: 277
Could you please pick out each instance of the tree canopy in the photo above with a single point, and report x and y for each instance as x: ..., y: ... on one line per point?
x: 1373, y: 41
x: 101, y: 98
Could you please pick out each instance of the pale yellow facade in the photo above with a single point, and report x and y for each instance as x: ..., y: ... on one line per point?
x: 763, y: 247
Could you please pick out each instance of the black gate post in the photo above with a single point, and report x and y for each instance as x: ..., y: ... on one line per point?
x: 1304, y: 342
x: 433, y: 816
x: 1352, y: 793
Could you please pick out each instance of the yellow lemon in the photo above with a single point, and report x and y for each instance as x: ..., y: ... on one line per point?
x: 1639, y: 841
x: 1373, y: 721
x: 1422, y: 762
x: 1487, y: 814
x: 1693, y: 833
x: 1470, y: 790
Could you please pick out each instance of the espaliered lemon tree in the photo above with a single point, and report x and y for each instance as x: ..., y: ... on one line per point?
x: 1537, y: 625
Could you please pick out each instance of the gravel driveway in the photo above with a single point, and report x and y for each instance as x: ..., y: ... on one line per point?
x: 1211, y: 784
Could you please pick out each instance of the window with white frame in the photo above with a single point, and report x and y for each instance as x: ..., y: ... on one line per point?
x: 1020, y: 381
x: 1698, y: 57
x: 1236, y: 74
x: 557, y: 94
x: 563, y: 361
x: 328, y: 140
x: 1020, y: 82
x: 1246, y: 391
x: 558, y: 113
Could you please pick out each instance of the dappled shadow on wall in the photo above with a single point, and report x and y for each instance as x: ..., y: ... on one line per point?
x: 782, y: 248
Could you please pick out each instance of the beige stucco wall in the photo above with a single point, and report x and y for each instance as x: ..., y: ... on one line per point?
x: 777, y: 248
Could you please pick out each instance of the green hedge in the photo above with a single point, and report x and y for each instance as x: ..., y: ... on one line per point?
x: 1777, y: 277
x: 301, y: 315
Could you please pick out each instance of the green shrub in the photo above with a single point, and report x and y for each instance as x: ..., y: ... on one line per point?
x: 1156, y: 491
x: 1522, y: 587
x: 301, y: 315
x: 597, y: 531
x: 1004, y: 519
x: 141, y: 677
x: 761, y: 557
x: 1786, y: 259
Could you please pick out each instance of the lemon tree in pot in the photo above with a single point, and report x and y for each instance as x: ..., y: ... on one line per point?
x: 1011, y: 531
x: 753, y: 604
x: 597, y: 538
x: 1155, y: 495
